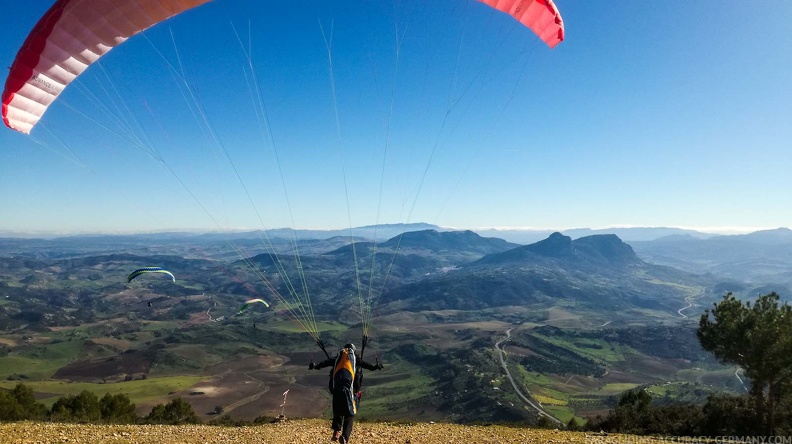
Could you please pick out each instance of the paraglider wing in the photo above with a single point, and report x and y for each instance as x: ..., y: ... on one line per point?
x: 252, y: 301
x: 541, y: 16
x: 75, y: 33
x: 65, y: 41
x: 145, y: 270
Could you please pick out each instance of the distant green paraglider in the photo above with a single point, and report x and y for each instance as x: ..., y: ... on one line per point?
x: 244, y: 306
x: 145, y: 270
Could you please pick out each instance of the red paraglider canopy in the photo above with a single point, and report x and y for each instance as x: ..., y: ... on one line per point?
x: 75, y: 33
x: 65, y: 41
x: 541, y: 16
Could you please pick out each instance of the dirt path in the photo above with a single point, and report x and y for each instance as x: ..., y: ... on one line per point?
x: 536, y: 406
x: 248, y: 399
x: 221, y: 318
x: 297, y: 432
x: 230, y: 407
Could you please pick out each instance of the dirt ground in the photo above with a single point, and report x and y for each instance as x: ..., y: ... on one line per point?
x: 296, y: 432
x: 251, y: 387
x: 97, y: 369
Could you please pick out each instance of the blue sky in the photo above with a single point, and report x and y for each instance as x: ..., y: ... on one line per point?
x: 648, y: 114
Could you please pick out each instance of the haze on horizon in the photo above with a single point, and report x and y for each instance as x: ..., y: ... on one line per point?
x: 476, y: 124
x: 507, y: 232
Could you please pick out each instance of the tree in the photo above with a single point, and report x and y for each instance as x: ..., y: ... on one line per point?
x: 8, y: 407
x: 80, y: 408
x: 20, y: 404
x: 758, y: 338
x: 227, y: 420
x: 728, y: 415
x: 545, y: 423
x: 178, y: 411
x: 636, y: 414
x: 117, y: 409
x: 157, y: 415
x: 632, y: 411
x: 784, y: 419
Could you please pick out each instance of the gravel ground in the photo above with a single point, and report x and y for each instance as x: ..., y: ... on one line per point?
x: 301, y: 431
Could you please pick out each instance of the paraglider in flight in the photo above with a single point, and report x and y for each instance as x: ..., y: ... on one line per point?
x: 145, y: 270
x: 73, y: 34
x: 244, y: 306
x: 541, y: 16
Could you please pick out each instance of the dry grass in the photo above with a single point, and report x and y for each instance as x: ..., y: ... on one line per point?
x: 294, y: 432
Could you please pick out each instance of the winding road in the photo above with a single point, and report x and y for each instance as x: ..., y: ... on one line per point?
x: 736, y: 372
x: 210, y: 309
x: 690, y: 304
x: 538, y: 407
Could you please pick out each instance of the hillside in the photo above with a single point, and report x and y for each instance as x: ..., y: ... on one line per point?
x: 760, y: 257
x: 291, y: 432
x: 594, y: 271
x: 596, y: 250
x: 71, y: 322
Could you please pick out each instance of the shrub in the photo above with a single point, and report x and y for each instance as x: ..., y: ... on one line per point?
x: 80, y: 408
x: 178, y: 411
x: 117, y: 409
x: 19, y: 404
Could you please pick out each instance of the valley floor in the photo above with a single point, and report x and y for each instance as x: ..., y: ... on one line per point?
x: 296, y: 432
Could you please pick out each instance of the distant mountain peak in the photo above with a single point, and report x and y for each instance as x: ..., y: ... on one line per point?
x: 556, y: 245
x: 603, y: 249
x: 445, y: 240
x: 774, y: 236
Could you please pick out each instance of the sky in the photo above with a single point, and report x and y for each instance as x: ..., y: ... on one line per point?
x: 327, y: 114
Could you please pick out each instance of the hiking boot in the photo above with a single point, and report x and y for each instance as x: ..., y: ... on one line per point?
x: 343, y: 440
x: 336, y: 435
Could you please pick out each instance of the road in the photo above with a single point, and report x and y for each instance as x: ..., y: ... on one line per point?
x: 737, y: 374
x: 210, y: 309
x: 690, y: 304
x: 259, y: 392
x: 538, y: 407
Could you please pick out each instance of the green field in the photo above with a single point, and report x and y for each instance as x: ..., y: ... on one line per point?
x: 293, y: 327
x: 597, y: 349
x: 40, y: 361
x: 541, y: 388
x: 139, y: 391
x: 563, y: 413
x: 615, y: 389
x: 396, y: 396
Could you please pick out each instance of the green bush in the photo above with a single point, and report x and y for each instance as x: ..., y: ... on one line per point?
x: 178, y: 411
x: 80, y: 408
x: 117, y: 409
x: 19, y: 404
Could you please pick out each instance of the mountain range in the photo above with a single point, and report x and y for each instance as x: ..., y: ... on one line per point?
x: 448, y: 297
x: 761, y: 257
x: 592, y: 272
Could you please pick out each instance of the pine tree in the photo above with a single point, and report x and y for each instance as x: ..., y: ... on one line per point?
x: 758, y: 338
